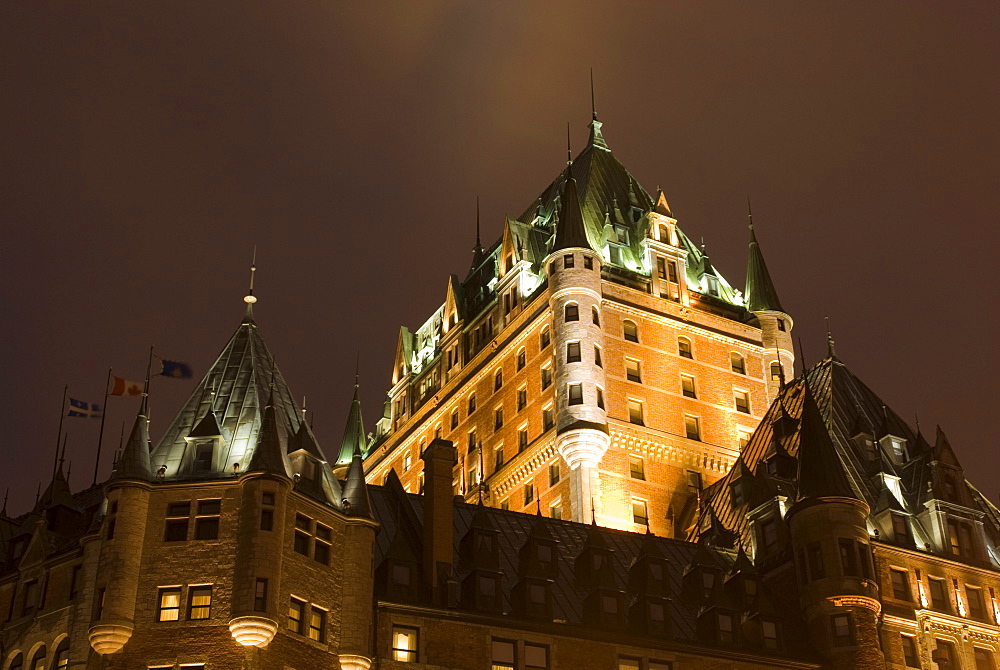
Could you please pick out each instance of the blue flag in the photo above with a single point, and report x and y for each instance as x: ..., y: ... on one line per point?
x: 88, y: 410
x: 175, y: 369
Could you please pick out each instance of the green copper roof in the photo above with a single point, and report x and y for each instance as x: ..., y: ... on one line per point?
x: 760, y: 294
x: 354, y: 440
x: 570, y: 231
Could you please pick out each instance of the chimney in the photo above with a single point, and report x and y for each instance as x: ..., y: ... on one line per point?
x: 439, y: 466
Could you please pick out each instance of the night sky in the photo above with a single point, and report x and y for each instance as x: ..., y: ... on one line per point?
x: 147, y: 147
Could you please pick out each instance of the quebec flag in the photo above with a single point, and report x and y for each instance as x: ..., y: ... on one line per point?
x: 89, y: 410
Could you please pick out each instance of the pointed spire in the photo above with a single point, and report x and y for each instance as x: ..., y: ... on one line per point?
x: 662, y: 206
x: 570, y: 230
x: 134, y: 462
x: 759, y: 294
x: 821, y: 473
x: 250, y: 298
x: 593, y: 104
x: 831, y: 350
x: 269, y: 452
x: 596, y: 137
x: 354, y: 439
x: 357, y: 502
x: 478, y: 253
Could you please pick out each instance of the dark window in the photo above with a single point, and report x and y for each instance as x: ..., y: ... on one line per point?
x: 781, y: 325
x: 840, y: 629
x: 939, y: 594
x: 317, y: 624
x: 900, y: 584
x: 572, y: 312
x: 522, y: 359
x: 737, y: 364
x: 203, y: 457
x: 553, y: 474
x: 267, y: 519
x: 454, y: 419
x: 529, y: 494
x: 687, y: 386
x: 684, y: 347
x: 169, y: 604
x: 588, y: 263
x: 568, y: 261
x: 572, y: 352
x: 600, y: 397
x: 503, y: 655
x: 111, y: 528
x: 301, y: 543
x: 176, y: 530
x: 672, y: 271
x: 726, y: 633
x: 769, y: 631
x: 815, y: 556
x: 984, y: 659
x: 692, y: 428
x: 498, y: 380
x: 74, y: 581
x: 30, y: 597
x: 742, y: 402
x: 945, y: 655
x: 848, y: 557
x: 209, y: 507
x: 977, y: 604
x: 206, y: 528
x: 472, y: 403
x: 498, y: 418
x: 296, y: 616
x: 536, y: 656
x: 640, y: 515
x: 576, y: 394
x: 630, y: 331
x: 769, y: 532
x: 633, y: 370
x: 597, y: 357
x: 595, y: 315
x: 661, y: 267
x: 260, y: 595
x: 321, y: 547
x: 522, y: 440
x: 910, y: 658
x: 199, y: 602
x: 900, y: 528
x: 522, y: 398
x: 636, y: 468
x: 635, y: 413
x: 544, y: 338
x: 694, y: 480
x: 548, y: 418
x: 546, y: 377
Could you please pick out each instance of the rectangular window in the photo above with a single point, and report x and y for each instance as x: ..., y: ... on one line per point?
x: 260, y: 595
x: 639, y: 513
x: 572, y: 312
x: 939, y: 594
x: 206, y: 528
x: 472, y: 403
x: 684, y: 347
x: 661, y: 267
x: 544, y: 338
x: 848, y: 557
x: 522, y: 439
x: 498, y: 418
x: 498, y: 458
x: 529, y: 494
x: 554, y: 474
x: 568, y: 260
x: 742, y: 401
x: 454, y: 419
x: 404, y: 644
x: 321, y: 546
x: 597, y: 357
x: 546, y: 377
x: 301, y: 543
x: 743, y: 438
x: 635, y: 412
x: 169, y: 604
x: 984, y: 659
x: 267, y: 519
x: 503, y: 655
x: 769, y: 532
x: 725, y: 627
x: 203, y: 457
x: 588, y: 263
x: 977, y: 604
x: 628, y: 663
x: 636, y: 468
x: 737, y: 364
x: 840, y: 629
x: 687, y: 386
x: 498, y: 380
x: 74, y: 581
x: 815, y: 558
x: 910, y: 658
x: 630, y: 331
x: 176, y: 529
x: 672, y: 272
x: 555, y: 510
x: 900, y: 584
x: 945, y: 655
x: 536, y: 656
x: 548, y: 418
x: 632, y: 370
x: 30, y: 597
x: 576, y: 394
x: 199, y: 602
x: 317, y: 624
x: 600, y: 397
x: 522, y: 398
x: 694, y: 480
x: 573, y: 352
x: 296, y: 616
x: 692, y: 428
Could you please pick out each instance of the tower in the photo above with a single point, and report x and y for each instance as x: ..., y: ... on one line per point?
x: 833, y: 556
x: 775, y: 324
x: 574, y: 271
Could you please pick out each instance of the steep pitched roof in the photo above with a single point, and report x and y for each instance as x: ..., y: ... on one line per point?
x: 134, y: 461
x: 236, y: 386
x: 355, y: 440
x: 760, y: 294
x: 270, y: 452
x: 821, y: 473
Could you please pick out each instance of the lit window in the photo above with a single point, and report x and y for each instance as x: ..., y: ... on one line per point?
x: 572, y: 352
x: 522, y: 359
x: 199, y: 602
x: 692, y: 428
x: 742, y: 401
x: 635, y: 412
x: 737, y: 363
x: 572, y: 312
x: 636, y: 468
x: 503, y: 655
x: 38, y: 661
x: 630, y: 331
x: 169, y: 607
x: 536, y: 656
x: 684, y: 347
x: 317, y: 624
x: 639, y: 513
x: 687, y: 386
x: 296, y: 615
x: 910, y: 658
x: 632, y: 370
x: 404, y: 644
x: 576, y: 394
x: 62, y: 655
x: 628, y: 663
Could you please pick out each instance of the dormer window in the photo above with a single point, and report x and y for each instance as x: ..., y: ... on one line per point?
x: 204, y: 451
x: 960, y: 538
x: 712, y: 285
x: 707, y: 583
x: 663, y: 234
x: 509, y: 263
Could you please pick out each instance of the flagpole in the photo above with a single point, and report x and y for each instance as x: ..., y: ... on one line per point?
x: 104, y: 415
x: 62, y: 415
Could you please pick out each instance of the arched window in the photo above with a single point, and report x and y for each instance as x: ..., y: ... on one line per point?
x: 62, y: 655
x: 596, y: 314
x: 684, y: 347
x: 17, y: 663
x: 572, y: 311
x: 776, y: 372
x: 631, y: 331
x: 38, y: 660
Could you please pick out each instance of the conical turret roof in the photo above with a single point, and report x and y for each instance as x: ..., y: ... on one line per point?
x: 821, y: 473
x: 355, y: 440
x: 235, y: 389
x: 358, y: 503
x: 269, y: 454
x: 760, y: 294
x: 570, y: 229
x: 134, y: 461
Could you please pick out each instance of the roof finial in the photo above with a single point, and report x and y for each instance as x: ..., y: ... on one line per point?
x: 802, y: 357
x: 593, y: 512
x: 62, y: 454
x: 781, y: 368
x: 250, y: 298
x: 593, y: 105
x: 479, y: 242
x: 750, y: 213
x: 569, y: 148
x: 303, y: 409
x: 831, y: 351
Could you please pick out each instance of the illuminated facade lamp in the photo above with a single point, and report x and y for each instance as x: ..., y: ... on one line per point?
x: 253, y: 631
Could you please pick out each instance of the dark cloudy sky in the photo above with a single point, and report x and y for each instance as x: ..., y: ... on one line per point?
x: 148, y: 146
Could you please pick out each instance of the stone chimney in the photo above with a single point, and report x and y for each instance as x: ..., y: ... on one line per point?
x: 439, y: 495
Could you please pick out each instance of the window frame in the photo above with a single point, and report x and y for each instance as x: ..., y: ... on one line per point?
x: 410, y: 653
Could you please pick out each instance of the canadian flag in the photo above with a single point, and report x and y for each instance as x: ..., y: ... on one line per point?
x: 125, y: 387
